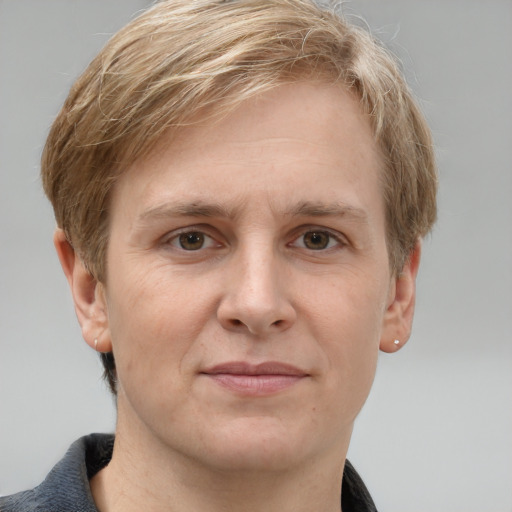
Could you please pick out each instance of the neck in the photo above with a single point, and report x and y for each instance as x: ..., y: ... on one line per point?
x: 147, y: 474
x: 116, y: 489
x: 176, y: 484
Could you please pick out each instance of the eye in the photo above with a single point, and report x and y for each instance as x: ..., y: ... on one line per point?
x: 317, y: 240
x: 192, y: 241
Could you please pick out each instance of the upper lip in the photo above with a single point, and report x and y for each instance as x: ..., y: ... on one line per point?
x: 244, y: 368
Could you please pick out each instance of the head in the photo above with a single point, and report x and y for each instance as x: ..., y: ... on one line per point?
x: 181, y: 63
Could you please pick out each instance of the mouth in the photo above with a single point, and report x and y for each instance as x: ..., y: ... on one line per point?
x: 255, y: 380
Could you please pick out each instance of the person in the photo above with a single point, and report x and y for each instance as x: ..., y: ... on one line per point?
x: 241, y: 189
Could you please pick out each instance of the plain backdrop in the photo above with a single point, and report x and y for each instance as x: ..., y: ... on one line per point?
x: 436, y: 432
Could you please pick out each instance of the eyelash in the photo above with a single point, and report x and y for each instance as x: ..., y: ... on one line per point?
x: 175, y: 240
x: 332, y: 241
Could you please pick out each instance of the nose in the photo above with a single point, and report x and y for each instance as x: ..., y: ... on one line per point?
x: 256, y: 296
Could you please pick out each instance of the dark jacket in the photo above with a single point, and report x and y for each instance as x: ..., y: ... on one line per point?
x: 66, y: 488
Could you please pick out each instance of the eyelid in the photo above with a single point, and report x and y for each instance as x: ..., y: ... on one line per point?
x: 303, y: 230
x: 168, y: 238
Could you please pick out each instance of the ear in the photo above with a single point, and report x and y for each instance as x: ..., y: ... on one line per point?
x: 397, y: 323
x: 88, y: 295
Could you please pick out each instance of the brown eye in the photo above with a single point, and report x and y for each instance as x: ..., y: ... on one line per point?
x: 191, y: 241
x: 316, y: 240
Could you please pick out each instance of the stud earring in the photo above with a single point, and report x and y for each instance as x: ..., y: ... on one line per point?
x: 396, y: 342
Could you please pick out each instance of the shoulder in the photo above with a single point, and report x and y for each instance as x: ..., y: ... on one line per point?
x: 67, y: 485
x: 20, y: 502
x: 355, y: 497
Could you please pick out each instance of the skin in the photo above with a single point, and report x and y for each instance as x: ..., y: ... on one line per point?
x: 258, y: 239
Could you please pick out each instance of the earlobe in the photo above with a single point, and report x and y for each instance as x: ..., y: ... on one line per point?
x: 397, y: 323
x: 88, y: 295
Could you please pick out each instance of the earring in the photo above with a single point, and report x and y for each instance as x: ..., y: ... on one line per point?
x: 96, y: 344
x: 396, y: 342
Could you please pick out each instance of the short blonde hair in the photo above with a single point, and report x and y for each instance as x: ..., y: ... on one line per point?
x: 183, y: 59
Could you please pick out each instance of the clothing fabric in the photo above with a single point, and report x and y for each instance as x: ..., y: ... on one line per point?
x: 66, y: 488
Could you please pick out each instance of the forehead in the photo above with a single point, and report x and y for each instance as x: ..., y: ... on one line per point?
x: 298, y: 143
x: 316, y: 114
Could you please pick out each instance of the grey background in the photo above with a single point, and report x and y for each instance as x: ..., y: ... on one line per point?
x: 436, y: 432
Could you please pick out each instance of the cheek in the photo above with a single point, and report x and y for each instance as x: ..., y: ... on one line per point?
x: 349, y: 310
x: 154, y: 322
x: 348, y: 326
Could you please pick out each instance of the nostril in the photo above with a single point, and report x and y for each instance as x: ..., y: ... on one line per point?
x: 236, y: 322
x: 277, y: 323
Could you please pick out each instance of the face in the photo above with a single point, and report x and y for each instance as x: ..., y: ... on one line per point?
x: 248, y: 283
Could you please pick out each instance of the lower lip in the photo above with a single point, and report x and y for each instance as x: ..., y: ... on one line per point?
x: 255, y: 385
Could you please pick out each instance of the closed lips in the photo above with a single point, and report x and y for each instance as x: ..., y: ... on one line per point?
x: 255, y: 380
x: 243, y: 368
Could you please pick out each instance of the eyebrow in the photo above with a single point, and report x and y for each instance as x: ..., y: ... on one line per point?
x: 185, y: 209
x: 320, y: 209
x: 193, y: 209
x: 303, y: 209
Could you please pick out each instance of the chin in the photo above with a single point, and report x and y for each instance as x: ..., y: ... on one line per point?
x: 257, y: 444
x: 252, y: 457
